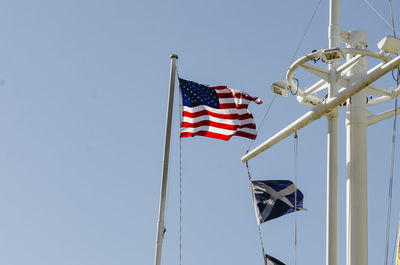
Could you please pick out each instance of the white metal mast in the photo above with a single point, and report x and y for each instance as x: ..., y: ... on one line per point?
x: 163, y: 194
x: 356, y: 153
x: 356, y: 83
x: 332, y: 143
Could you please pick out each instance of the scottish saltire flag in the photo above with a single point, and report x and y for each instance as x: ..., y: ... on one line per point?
x: 274, y: 198
x: 269, y: 260
x: 216, y: 111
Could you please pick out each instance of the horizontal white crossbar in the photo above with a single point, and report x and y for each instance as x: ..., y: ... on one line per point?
x: 323, y: 108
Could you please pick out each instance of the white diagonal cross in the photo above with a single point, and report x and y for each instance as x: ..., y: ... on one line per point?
x: 275, y: 195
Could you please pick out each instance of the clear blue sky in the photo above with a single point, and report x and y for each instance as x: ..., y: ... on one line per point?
x: 83, y: 94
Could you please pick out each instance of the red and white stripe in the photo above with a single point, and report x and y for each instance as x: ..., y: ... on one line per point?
x: 233, y: 117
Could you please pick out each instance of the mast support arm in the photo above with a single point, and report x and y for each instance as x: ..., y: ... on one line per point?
x: 323, y: 108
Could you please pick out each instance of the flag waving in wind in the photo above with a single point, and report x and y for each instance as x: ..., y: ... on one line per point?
x: 216, y: 111
x: 274, y: 198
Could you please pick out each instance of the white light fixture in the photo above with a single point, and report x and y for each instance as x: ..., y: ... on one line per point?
x: 332, y: 55
x: 389, y: 44
x: 280, y: 88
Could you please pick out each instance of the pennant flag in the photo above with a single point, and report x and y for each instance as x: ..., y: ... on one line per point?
x: 274, y: 198
x: 269, y: 260
x: 216, y: 111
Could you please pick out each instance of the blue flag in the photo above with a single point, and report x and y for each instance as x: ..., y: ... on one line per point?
x: 269, y: 260
x: 274, y: 198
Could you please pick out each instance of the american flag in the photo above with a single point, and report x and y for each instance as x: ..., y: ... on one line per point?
x: 216, y: 111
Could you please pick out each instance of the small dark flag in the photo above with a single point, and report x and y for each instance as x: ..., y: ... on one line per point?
x: 269, y: 260
x: 274, y: 198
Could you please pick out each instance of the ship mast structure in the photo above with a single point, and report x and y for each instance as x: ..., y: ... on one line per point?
x: 348, y: 85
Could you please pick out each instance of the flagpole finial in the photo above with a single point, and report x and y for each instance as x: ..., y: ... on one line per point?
x: 174, y: 56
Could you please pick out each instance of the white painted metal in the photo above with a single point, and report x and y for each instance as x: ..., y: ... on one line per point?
x: 372, y: 119
x: 382, y: 99
x: 356, y: 83
x: 332, y: 189
x: 322, y: 73
x: 322, y: 84
x: 304, y: 97
x: 356, y: 152
x: 332, y: 142
x: 389, y: 44
x: 163, y: 194
x: 372, y: 89
x: 325, y: 107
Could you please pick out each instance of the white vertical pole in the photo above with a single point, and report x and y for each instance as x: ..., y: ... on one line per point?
x: 161, y: 229
x: 356, y: 152
x: 332, y: 143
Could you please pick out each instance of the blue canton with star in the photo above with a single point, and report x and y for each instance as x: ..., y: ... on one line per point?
x: 195, y: 94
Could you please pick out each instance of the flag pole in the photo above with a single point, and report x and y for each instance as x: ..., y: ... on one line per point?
x: 163, y: 194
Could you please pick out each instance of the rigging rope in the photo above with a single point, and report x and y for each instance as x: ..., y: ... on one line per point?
x: 379, y: 14
x: 291, y: 60
x: 258, y: 223
x: 389, y: 208
x: 262, y: 121
x: 305, y: 32
x: 180, y: 177
x: 394, y: 252
x: 391, y: 14
x: 295, y: 194
x: 295, y: 201
x: 396, y: 242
